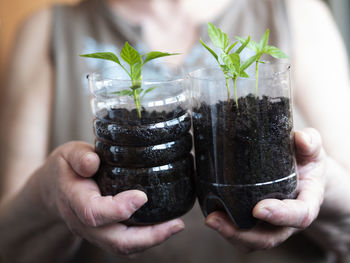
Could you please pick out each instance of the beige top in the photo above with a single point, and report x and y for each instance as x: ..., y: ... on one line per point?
x: 91, y: 27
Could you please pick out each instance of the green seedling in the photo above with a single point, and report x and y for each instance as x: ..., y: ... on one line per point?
x: 230, y: 63
x: 260, y: 49
x: 135, y: 61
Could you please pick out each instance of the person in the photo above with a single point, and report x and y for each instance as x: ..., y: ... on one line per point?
x: 49, y: 203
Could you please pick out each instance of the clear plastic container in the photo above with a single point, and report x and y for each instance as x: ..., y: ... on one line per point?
x: 151, y: 153
x: 244, y: 153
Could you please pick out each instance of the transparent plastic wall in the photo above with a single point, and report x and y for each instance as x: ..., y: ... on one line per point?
x: 150, y: 153
x: 243, y: 139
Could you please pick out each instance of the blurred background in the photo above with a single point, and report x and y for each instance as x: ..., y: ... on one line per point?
x: 12, y: 12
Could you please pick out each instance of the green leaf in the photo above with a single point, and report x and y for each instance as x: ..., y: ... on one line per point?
x: 275, y: 52
x: 157, y: 54
x: 232, y: 61
x: 236, y: 60
x: 136, y: 71
x: 218, y: 37
x: 130, y: 55
x: 264, y: 40
x: 124, y: 92
x: 148, y: 90
x: 251, y: 45
x: 230, y: 47
x: 243, y: 74
x: 224, y: 68
x: 228, y: 62
x: 210, y: 50
x: 243, y: 46
x: 138, y: 91
x: 103, y: 55
x: 249, y: 61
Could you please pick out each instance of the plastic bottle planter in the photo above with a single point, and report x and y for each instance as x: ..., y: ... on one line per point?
x: 244, y: 154
x: 151, y: 154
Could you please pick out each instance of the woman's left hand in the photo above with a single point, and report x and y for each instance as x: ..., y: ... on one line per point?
x: 282, y: 218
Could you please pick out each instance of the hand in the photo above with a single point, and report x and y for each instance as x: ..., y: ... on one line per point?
x: 282, y: 218
x: 70, y: 194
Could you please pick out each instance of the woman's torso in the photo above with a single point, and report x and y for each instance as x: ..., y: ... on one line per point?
x: 91, y: 27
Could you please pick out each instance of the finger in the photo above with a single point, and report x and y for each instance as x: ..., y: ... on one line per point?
x: 95, y: 210
x: 308, y: 144
x: 81, y: 157
x: 299, y: 213
x: 260, y: 237
x: 124, y: 240
x: 290, y: 213
x: 138, y: 239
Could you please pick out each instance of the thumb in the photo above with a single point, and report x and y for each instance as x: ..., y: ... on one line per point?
x: 81, y: 157
x: 308, y: 145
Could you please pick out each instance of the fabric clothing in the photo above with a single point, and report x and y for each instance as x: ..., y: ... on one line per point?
x: 91, y: 27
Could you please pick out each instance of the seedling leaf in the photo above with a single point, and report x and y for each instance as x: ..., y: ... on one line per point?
x: 210, y: 50
x: 230, y: 47
x: 136, y: 71
x: 243, y: 45
x: 218, y: 37
x: 157, y: 54
x: 124, y: 92
x: 130, y: 55
x: 228, y: 62
x: 243, y: 74
x: 103, y: 55
x: 275, y: 52
x: 251, y: 45
x: 236, y: 61
x: 139, y: 91
x: 248, y: 62
x: 149, y: 90
x: 264, y: 40
x: 134, y: 59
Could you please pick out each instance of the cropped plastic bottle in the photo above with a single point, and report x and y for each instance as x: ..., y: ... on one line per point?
x: 151, y: 153
x: 245, y: 151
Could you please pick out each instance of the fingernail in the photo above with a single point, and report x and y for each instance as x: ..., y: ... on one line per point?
x: 214, y: 223
x: 138, y: 200
x: 177, y: 228
x: 262, y: 213
x: 307, y: 138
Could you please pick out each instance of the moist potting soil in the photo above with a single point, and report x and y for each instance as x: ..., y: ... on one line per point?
x: 243, y: 154
x: 151, y: 154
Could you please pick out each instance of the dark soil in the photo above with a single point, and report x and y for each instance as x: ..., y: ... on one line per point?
x: 144, y: 156
x: 236, y: 148
x: 151, y: 154
x: 123, y: 127
x: 169, y: 188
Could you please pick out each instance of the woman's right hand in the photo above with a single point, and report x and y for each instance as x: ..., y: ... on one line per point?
x: 69, y: 193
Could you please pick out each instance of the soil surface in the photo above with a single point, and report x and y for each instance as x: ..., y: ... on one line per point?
x: 123, y: 127
x: 151, y: 154
x: 242, y: 146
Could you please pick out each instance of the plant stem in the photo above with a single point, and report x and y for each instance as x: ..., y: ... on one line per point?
x: 137, y: 103
x: 256, y: 77
x: 228, y: 90
x: 235, y: 90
